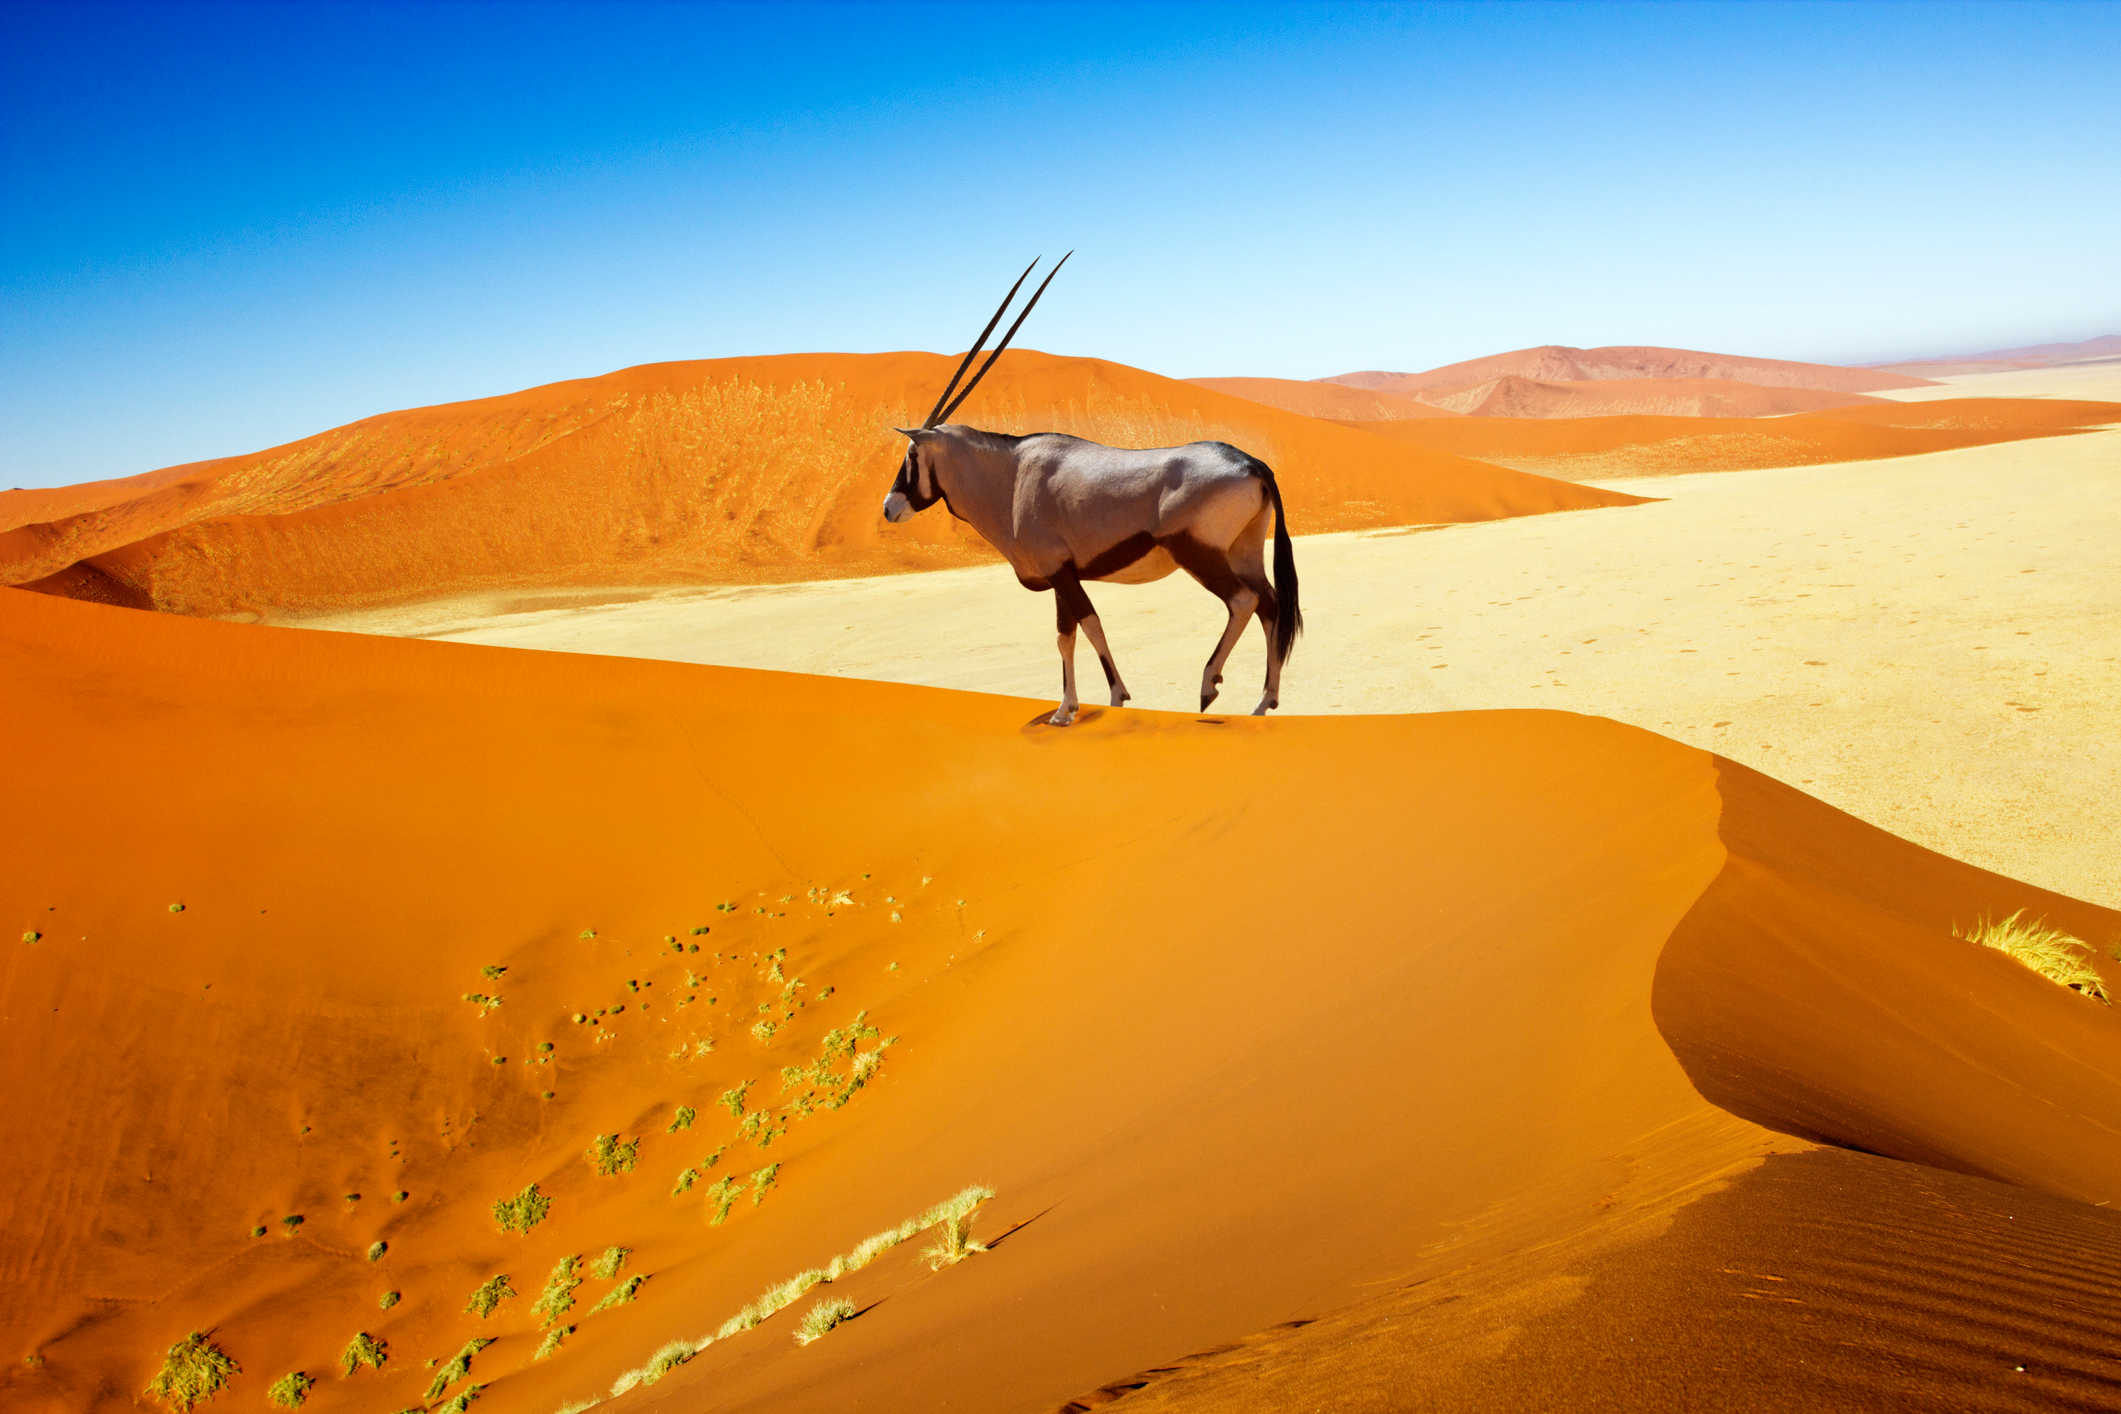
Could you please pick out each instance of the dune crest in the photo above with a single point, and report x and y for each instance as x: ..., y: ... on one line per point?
x: 1559, y: 363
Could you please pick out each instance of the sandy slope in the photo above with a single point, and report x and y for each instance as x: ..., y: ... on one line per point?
x: 1313, y: 398
x: 1594, y: 448
x: 723, y: 471
x: 1246, y: 1022
x: 1930, y: 642
x: 1556, y: 362
x: 2099, y: 379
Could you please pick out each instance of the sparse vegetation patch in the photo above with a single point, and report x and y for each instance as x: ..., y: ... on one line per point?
x: 607, y: 1266
x: 458, y: 1366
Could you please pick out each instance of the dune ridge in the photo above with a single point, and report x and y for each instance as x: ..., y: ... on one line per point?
x: 1513, y: 396
x: 1542, y: 938
x: 1560, y: 363
x: 2102, y: 348
x: 1644, y: 446
x: 723, y: 471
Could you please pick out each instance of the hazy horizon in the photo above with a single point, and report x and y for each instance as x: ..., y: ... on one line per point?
x: 246, y: 224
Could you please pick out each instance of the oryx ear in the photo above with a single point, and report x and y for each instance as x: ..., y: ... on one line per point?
x: 911, y: 434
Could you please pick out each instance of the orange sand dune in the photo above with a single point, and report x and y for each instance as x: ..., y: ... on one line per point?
x: 1314, y: 398
x: 1559, y: 363
x: 728, y: 471
x: 1591, y: 448
x: 1512, y: 396
x: 1246, y: 1023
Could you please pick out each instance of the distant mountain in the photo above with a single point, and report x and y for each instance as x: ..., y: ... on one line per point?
x: 1556, y: 363
x: 1999, y: 360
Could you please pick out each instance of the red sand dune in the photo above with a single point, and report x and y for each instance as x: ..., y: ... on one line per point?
x: 1668, y: 446
x: 1462, y: 1041
x: 2106, y: 346
x: 1511, y: 396
x: 728, y: 471
x: 1313, y: 398
x: 1558, y: 363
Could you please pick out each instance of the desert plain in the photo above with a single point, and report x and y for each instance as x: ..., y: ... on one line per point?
x: 529, y: 905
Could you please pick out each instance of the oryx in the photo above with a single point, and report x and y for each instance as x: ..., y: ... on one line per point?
x: 1062, y: 510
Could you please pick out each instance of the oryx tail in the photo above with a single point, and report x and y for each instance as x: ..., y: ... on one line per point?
x: 1289, y: 621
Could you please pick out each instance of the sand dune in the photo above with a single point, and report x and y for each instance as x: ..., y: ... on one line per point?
x: 1558, y: 363
x: 1314, y: 398
x: 2105, y: 347
x: 1928, y: 641
x: 1442, y: 1005
x: 729, y: 471
x: 1512, y: 396
x: 1607, y: 448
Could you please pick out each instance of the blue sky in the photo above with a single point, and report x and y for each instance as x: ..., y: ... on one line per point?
x: 227, y: 226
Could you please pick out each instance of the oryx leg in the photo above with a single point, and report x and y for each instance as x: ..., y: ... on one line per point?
x: 1212, y: 567
x: 1070, y: 607
x: 1096, y: 631
x: 1249, y: 558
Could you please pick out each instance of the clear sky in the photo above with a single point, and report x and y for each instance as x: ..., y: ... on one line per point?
x: 227, y: 226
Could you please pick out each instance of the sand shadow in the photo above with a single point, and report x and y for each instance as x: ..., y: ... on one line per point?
x: 1019, y: 1227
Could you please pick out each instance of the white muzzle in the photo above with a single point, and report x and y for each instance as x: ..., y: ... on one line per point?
x: 897, y: 507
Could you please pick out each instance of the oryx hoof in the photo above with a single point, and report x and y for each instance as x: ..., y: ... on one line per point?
x: 1063, y: 715
x: 1207, y: 696
x: 1120, y: 696
x: 1265, y: 705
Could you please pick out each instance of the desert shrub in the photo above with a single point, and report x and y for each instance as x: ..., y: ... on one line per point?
x: 2058, y: 956
x: 194, y: 1371
x: 608, y: 1156
x: 290, y: 1389
x: 607, y: 1267
x: 619, y: 1295
x: 557, y: 1299
x: 363, y: 1349
x: 457, y: 1367
x: 550, y: 1346
x: 522, y: 1212
x: 761, y: 1181
x: 682, y: 1119
x: 387, y: 1300
x: 723, y: 1195
x: 376, y: 1250
x: 490, y: 1294
x: 822, y: 1318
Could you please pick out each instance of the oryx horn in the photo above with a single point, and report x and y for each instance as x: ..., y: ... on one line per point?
x: 942, y: 413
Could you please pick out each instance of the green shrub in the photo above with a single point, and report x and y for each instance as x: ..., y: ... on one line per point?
x: 522, y: 1212
x: 290, y: 1390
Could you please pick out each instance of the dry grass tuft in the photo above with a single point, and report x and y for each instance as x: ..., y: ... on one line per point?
x: 2060, y: 957
x: 194, y: 1371
x: 822, y: 1318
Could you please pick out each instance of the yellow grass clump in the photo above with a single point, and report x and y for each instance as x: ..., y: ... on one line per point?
x: 2060, y: 957
x: 192, y: 1372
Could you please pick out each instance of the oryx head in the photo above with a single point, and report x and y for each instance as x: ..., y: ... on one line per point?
x: 917, y: 487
